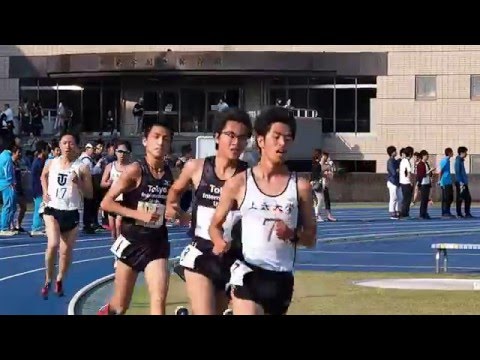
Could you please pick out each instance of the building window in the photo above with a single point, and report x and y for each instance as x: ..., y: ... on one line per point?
x: 475, y: 87
x: 474, y: 164
x: 361, y: 166
x: 343, y: 103
x: 425, y: 87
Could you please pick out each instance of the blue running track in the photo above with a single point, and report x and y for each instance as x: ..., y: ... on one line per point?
x: 362, y: 240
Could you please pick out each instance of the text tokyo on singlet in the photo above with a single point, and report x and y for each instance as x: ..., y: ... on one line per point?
x: 207, y: 196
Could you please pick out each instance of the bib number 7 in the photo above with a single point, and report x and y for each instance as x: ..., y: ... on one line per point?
x: 188, y: 257
x: 237, y: 272
x: 119, y: 246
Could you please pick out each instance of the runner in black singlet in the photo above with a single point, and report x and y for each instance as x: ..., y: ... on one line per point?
x: 206, y: 274
x: 143, y: 244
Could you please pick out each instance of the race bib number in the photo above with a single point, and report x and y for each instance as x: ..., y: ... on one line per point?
x: 188, y: 256
x: 237, y: 272
x: 119, y: 246
x: 152, y: 208
x: 269, y: 228
x: 62, y: 193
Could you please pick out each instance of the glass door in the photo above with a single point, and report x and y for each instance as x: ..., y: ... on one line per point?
x: 192, y: 110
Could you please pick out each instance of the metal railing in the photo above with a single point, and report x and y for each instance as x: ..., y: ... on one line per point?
x: 298, y: 112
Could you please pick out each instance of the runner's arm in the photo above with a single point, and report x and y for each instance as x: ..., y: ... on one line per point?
x: 184, y: 180
x: 85, y: 185
x: 105, y: 183
x: 307, y: 233
x: 44, y: 179
x: 231, y: 191
x: 127, y: 181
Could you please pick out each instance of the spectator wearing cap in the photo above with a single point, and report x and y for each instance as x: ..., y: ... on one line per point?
x: 90, y: 216
x: 106, y: 159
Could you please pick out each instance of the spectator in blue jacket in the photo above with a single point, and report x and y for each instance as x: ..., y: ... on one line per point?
x: 446, y: 183
x: 461, y: 184
x: 7, y: 187
x: 393, y: 183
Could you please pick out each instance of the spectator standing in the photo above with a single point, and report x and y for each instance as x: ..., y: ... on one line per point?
x: 41, y: 148
x: 461, y: 184
x: 7, y: 188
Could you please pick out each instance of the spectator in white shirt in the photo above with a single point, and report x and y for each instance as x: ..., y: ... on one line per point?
x: 8, y: 113
x: 222, y: 106
x: 406, y: 182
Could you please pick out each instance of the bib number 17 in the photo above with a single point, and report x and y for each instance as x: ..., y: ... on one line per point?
x: 61, y: 192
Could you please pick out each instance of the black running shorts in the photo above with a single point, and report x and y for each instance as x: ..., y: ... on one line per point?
x: 67, y: 219
x: 272, y: 290
x: 142, y: 252
x: 215, y: 268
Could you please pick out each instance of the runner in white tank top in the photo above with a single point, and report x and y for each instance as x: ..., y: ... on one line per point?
x: 111, y: 174
x: 260, y: 243
x: 65, y: 181
x: 63, y: 193
x: 276, y: 208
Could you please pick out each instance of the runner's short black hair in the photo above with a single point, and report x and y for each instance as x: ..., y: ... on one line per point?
x: 161, y: 120
x: 274, y: 115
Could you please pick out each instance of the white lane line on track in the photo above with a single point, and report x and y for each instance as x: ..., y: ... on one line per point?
x: 43, y: 252
x: 398, y: 225
x: 105, y: 234
x: 77, y: 249
x: 43, y: 269
x: 402, y: 234
x: 78, y: 241
x: 45, y: 243
x: 378, y: 253
x: 386, y: 266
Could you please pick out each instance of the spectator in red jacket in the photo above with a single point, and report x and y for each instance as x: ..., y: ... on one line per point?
x: 424, y: 179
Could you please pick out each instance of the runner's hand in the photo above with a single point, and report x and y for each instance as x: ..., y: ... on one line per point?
x: 221, y: 248
x: 75, y: 178
x: 185, y: 219
x: 283, y: 231
x: 147, y: 217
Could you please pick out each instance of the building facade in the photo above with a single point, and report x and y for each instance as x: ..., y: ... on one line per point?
x: 366, y: 96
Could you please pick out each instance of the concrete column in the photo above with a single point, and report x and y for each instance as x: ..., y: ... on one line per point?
x: 253, y: 95
x: 9, y: 88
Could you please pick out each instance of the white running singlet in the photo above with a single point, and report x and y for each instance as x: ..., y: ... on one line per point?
x: 261, y: 246
x: 64, y: 195
x: 114, y: 176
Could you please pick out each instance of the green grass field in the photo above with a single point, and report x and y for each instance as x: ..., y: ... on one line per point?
x: 332, y: 293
